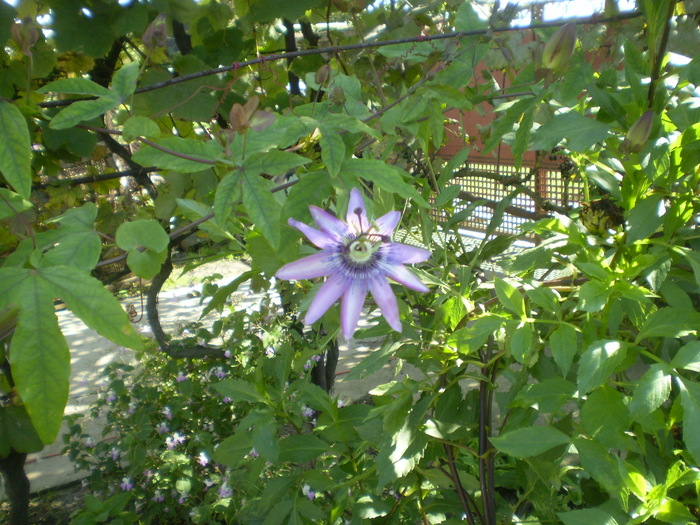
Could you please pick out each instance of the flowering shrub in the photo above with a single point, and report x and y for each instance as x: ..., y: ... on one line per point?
x: 164, y: 419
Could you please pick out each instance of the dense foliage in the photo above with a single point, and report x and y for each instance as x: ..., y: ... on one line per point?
x: 129, y: 129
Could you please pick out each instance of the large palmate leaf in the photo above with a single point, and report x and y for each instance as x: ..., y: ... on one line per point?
x: 39, y: 355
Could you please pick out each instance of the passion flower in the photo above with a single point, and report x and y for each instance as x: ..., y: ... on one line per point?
x: 356, y: 256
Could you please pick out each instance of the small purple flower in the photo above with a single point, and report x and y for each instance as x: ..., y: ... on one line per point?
x: 227, y: 400
x: 357, y: 256
x: 115, y: 453
x: 88, y: 442
x: 307, y: 411
x: 219, y: 372
x: 162, y: 427
x: 225, y: 491
x: 158, y: 496
x: 126, y: 485
x: 148, y: 474
x: 203, y: 459
x: 132, y: 407
x: 228, y: 354
x: 317, y: 358
x: 307, y: 365
x: 183, y: 497
x: 167, y: 413
x: 176, y: 439
x: 306, y: 491
x: 181, y: 376
x: 111, y: 397
x: 253, y: 453
x: 270, y: 352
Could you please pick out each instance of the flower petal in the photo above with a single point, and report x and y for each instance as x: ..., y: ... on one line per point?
x: 351, y: 307
x: 330, y: 224
x: 387, y: 222
x: 319, y: 238
x: 329, y: 293
x: 385, y: 299
x: 402, y: 275
x: 407, y: 254
x: 357, y: 222
x: 316, y: 265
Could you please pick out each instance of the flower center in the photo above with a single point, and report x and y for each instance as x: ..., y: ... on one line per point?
x: 361, y: 249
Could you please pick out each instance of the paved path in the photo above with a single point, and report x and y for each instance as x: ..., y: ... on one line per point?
x: 90, y: 353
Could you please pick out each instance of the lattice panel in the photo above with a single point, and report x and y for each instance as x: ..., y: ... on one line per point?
x: 484, y: 181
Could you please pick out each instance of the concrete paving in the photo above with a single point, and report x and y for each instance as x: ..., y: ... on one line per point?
x: 90, y: 353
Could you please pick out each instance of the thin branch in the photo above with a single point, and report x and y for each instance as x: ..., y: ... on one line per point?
x: 334, y: 50
x: 87, y: 179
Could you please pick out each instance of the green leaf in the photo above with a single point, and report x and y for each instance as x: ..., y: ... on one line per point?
x: 669, y: 322
x: 605, y: 417
x: 273, y: 163
x: 373, y: 362
x: 81, y: 111
x: 298, y: 448
x: 564, y: 344
x: 510, y: 297
x: 77, y: 86
x: 586, y: 517
x: 688, y: 357
x: 228, y: 192
x: 75, y: 243
x: 224, y: 293
x: 593, y: 296
x: 124, y: 80
x: 521, y: 340
x: 197, y: 155
x: 147, y: 234
x: 238, y: 390
x: 652, y: 390
x: 529, y: 441
x: 548, y: 395
x: 88, y: 299
x: 522, y: 135
x: 269, y: 10
x: 645, y: 218
x: 265, y: 439
x: 312, y: 188
x: 147, y: 244
x: 690, y: 400
x: 233, y: 450
x: 262, y: 208
x: 467, y: 19
x: 11, y: 203
x: 580, y: 132
x: 388, y: 177
x: 598, y: 463
x: 38, y: 351
x: 15, y: 149
x: 140, y: 127
x: 332, y: 151
x: 17, y: 432
x: 599, y: 360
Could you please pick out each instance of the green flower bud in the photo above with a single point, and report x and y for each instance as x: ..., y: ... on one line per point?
x: 560, y: 48
x: 638, y: 134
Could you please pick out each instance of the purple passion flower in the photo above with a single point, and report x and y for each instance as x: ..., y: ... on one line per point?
x: 356, y: 255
